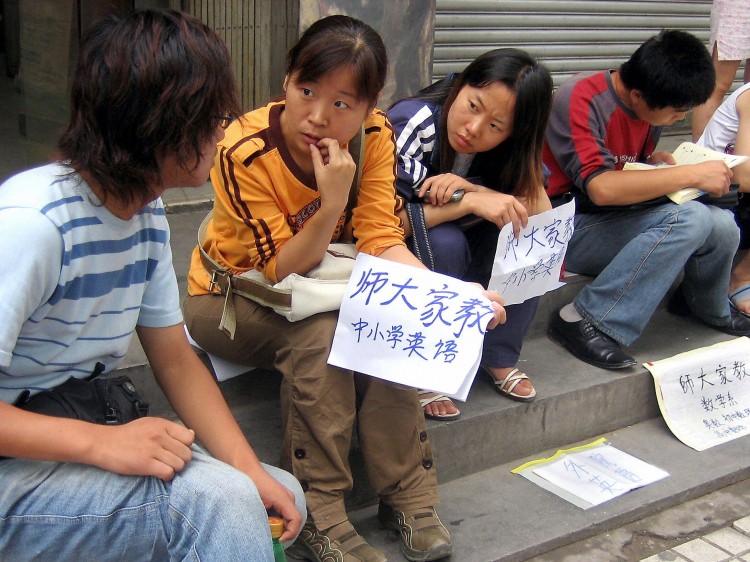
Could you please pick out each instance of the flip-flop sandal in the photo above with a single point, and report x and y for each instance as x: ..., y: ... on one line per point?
x: 509, y: 383
x: 740, y: 296
x: 437, y: 398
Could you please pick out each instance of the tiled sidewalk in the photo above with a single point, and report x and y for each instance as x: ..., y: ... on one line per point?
x: 730, y: 544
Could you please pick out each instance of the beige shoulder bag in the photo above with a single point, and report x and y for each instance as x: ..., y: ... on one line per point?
x: 297, y: 296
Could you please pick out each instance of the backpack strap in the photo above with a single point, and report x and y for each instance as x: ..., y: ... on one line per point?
x: 225, y: 283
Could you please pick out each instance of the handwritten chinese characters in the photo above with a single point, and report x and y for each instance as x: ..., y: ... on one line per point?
x: 529, y: 266
x: 591, y: 474
x: 704, y: 394
x: 596, y: 473
x: 411, y: 326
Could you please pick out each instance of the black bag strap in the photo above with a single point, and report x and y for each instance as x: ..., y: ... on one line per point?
x: 357, y: 150
x: 419, y: 242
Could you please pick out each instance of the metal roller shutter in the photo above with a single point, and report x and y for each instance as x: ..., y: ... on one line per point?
x: 569, y: 36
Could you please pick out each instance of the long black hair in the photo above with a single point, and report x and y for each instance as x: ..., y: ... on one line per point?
x: 515, y: 165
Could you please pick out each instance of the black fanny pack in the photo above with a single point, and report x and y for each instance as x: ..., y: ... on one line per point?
x: 106, y: 401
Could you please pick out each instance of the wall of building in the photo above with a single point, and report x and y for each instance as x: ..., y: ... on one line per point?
x: 406, y: 27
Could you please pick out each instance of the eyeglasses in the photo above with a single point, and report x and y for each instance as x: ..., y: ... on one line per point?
x: 224, y: 120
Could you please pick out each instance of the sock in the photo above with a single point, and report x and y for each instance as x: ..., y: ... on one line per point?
x: 570, y: 314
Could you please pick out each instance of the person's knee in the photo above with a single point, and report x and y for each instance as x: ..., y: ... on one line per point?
x: 710, y: 225
x: 693, y: 220
x: 724, y: 81
x: 216, y: 510
x: 287, y: 480
x: 725, y: 228
x: 225, y: 490
x: 450, y: 249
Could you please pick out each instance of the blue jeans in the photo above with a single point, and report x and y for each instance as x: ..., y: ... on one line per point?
x: 67, y: 511
x: 469, y: 255
x: 636, y: 255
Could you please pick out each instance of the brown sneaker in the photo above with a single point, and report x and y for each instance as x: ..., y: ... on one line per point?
x: 340, y: 543
x: 423, y: 535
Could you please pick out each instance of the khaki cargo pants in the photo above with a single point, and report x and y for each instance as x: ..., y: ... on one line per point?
x: 319, y: 405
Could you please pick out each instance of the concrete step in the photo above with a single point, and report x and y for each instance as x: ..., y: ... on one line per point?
x: 575, y: 401
x: 497, y: 516
x: 493, y: 514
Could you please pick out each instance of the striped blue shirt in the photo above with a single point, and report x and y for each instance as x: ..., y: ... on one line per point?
x: 415, y: 125
x: 75, y: 280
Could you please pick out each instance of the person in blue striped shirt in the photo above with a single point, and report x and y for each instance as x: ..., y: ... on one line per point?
x: 85, y: 264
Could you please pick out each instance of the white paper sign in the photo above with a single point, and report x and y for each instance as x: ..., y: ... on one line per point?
x: 411, y: 326
x: 598, y: 474
x: 529, y: 266
x: 223, y: 369
x: 704, y: 394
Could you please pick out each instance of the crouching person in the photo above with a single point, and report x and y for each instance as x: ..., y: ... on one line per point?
x: 85, y: 262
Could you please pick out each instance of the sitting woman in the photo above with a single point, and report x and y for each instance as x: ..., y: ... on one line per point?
x: 470, y: 162
x: 282, y: 180
x: 728, y: 131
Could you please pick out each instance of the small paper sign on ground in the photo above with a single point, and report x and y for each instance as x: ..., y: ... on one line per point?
x: 591, y: 474
x: 223, y: 369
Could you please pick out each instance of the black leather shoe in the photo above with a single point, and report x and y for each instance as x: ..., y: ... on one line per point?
x: 737, y: 325
x: 588, y: 344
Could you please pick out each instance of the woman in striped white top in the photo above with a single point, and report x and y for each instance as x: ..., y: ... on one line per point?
x: 469, y: 162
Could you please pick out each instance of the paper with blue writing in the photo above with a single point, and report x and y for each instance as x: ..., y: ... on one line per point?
x: 704, y: 394
x: 590, y: 474
x: 411, y: 326
x: 529, y: 266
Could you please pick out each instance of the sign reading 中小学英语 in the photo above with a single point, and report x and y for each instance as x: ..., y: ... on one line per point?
x: 423, y: 329
x: 411, y: 326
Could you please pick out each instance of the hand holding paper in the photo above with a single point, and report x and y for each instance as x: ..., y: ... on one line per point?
x: 686, y: 154
x: 411, y: 326
x: 529, y: 266
x: 422, y: 329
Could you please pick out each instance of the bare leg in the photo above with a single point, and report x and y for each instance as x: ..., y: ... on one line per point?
x: 726, y: 70
x: 740, y: 278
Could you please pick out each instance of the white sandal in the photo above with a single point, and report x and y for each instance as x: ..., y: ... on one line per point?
x: 437, y: 398
x: 512, y: 379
